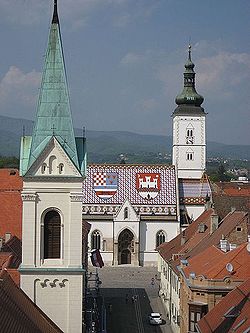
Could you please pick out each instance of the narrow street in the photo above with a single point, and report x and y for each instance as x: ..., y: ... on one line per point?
x: 129, y: 297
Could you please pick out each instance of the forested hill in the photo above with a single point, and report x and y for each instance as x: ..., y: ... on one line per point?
x: 103, y: 146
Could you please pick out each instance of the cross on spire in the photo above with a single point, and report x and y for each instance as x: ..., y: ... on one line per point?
x: 53, y: 129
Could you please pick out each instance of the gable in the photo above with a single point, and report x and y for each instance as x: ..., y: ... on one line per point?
x: 53, y: 161
x: 126, y: 213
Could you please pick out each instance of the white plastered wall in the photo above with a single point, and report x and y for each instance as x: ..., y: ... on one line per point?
x: 187, y: 168
x: 148, y: 232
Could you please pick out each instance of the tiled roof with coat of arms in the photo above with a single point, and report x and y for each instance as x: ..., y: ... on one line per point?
x: 142, y: 185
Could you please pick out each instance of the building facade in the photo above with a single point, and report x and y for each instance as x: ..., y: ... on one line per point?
x: 52, y: 166
x: 132, y: 209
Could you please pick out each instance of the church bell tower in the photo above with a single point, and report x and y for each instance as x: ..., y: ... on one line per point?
x: 52, y: 164
x: 189, y: 137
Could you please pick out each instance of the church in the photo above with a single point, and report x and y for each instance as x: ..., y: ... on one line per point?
x: 132, y: 209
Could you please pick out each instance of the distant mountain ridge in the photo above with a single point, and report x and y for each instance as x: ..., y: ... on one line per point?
x: 104, y: 146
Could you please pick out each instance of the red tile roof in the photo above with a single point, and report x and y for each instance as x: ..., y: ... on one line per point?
x: 18, y: 313
x: 195, y: 241
x: 10, y: 202
x: 227, y: 195
x: 211, y: 263
x: 191, y: 235
x: 231, y: 314
x: 11, y: 257
x: 227, y: 225
x: 232, y: 188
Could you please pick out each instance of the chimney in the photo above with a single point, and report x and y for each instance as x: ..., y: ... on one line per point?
x: 224, y: 246
x: 214, y: 221
x: 201, y: 228
x: 232, y: 246
x: 7, y: 236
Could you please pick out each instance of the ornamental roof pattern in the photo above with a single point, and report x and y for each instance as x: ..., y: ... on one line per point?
x: 193, y: 191
x: 126, y: 186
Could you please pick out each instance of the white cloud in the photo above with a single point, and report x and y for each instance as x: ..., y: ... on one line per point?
x: 19, y: 88
x: 133, y: 58
x: 221, y: 73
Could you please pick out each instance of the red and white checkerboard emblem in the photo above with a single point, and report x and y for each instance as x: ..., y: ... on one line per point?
x: 105, y: 184
x: 148, y: 184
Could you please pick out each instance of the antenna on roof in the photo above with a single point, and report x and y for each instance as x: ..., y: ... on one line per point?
x: 229, y: 267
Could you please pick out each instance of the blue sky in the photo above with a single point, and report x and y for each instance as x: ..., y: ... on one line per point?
x: 125, y: 61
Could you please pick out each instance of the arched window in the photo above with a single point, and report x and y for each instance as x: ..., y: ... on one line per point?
x: 125, y: 213
x: 44, y: 167
x: 52, y: 235
x: 96, y: 240
x: 61, y: 168
x: 52, y: 161
x: 160, y: 237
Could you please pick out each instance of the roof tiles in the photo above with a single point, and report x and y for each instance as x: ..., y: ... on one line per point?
x: 237, y: 302
x: 18, y: 313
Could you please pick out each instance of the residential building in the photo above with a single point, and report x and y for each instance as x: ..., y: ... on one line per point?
x: 231, y: 314
x: 204, y: 232
x: 206, y: 278
x: 228, y: 195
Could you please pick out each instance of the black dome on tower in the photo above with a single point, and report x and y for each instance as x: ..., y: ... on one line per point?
x: 189, y: 100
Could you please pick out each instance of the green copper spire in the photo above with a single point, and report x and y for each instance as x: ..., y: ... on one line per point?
x: 189, y: 96
x: 53, y: 117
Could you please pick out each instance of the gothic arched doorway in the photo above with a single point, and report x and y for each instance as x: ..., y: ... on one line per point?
x: 125, y: 247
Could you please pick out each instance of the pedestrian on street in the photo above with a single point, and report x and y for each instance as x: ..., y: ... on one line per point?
x: 152, y: 281
x: 126, y: 298
x: 110, y: 308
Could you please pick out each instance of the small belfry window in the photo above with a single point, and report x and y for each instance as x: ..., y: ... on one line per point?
x: 190, y: 135
x: 96, y: 240
x: 52, y: 235
x: 190, y: 156
x: 44, y: 167
x: 160, y: 237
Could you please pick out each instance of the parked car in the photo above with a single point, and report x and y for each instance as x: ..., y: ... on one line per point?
x: 155, y: 318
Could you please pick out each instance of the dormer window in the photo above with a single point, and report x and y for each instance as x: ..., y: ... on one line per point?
x: 61, y: 168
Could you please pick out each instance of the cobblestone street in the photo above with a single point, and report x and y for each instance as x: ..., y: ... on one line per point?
x: 125, y: 315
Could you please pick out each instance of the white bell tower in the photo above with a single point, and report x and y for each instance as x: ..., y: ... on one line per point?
x: 52, y: 164
x: 189, y: 136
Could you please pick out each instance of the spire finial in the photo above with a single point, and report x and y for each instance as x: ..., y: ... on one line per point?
x: 55, y: 18
x: 189, y: 51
